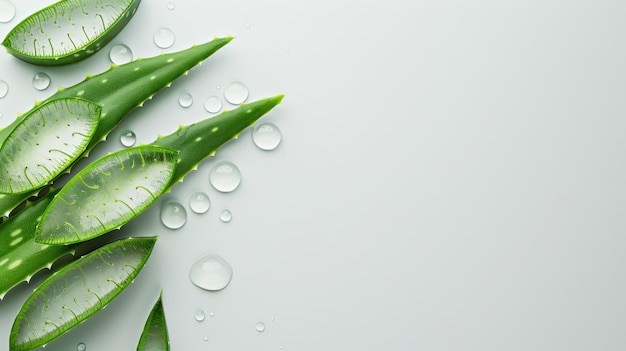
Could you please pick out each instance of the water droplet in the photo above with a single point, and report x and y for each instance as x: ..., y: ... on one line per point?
x: 213, y: 104
x: 41, y: 81
x: 171, y: 5
x: 248, y: 25
x: 185, y: 100
x: 199, y: 315
x: 226, y: 216
x: 218, y: 87
x: 81, y: 347
x: 282, y: 347
x: 164, y: 38
x: 211, y: 272
x: 266, y: 136
x: 7, y: 11
x: 128, y: 138
x: 206, y: 338
x: 211, y: 314
x: 260, y: 327
x: 4, y: 88
x: 225, y: 176
x: 173, y: 215
x: 120, y: 54
x: 199, y: 202
x: 236, y: 93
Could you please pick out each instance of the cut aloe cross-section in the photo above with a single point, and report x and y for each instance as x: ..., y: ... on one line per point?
x: 45, y: 143
x: 69, y: 31
x: 107, y: 194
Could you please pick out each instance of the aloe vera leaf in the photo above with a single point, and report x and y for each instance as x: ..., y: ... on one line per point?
x: 154, y: 336
x: 20, y: 256
x: 120, y: 90
x: 71, y: 219
x: 77, y: 291
x: 46, y: 142
x: 107, y: 194
x: 68, y: 31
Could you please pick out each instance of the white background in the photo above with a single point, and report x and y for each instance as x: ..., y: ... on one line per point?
x: 451, y: 177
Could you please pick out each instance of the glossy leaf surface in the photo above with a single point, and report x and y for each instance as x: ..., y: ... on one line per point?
x: 78, y: 291
x: 69, y: 30
x: 154, y: 336
x: 46, y: 142
x: 107, y: 194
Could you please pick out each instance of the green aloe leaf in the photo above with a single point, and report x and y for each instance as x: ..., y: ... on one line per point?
x: 20, y: 256
x: 69, y: 30
x: 120, y: 90
x: 46, y: 142
x: 107, y: 194
x: 78, y: 291
x: 84, y: 208
x: 154, y: 336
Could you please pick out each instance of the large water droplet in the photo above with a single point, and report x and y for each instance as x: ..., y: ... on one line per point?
x: 7, y: 11
x: 128, y: 138
x: 199, y: 202
x: 171, y: 5
x: 211, y: 272
x: 185, y: 100
x: 120, y: 54
x: 260, y: 327
x: 4, y: 88
x: 41, y: 81
x: 173, y: 215
x: 266, y: 136
x: 199, y: 315
x: 213, y: 104
x: 225, y: 176
x: 81, y: 347
x: 164, y: 38
x: 236, y: 93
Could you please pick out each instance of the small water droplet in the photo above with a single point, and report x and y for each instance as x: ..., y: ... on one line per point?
x: 41, y: 81
x: 120, y: 54
x: 7, y: 11
x: 266, y: 136
x: 199, y: 315
x: 81, y: 347
x: 273, y: 319
x: 211, y: 314
x: 218, y: 87
x: 171, y: 5
x: 236, y: 93
x: 185, y: 100
x: 260, y: 327
x: 164, y: 38
x: 128, y: 138
x: 199, y: 202
x: 226, y: 216
x: 206, y: 338
x: 213, y: 104
x: 225, y: 176
x: 4, y: 88
x: 173, y: 215
x: 211, y: 272
x: 248, y: 25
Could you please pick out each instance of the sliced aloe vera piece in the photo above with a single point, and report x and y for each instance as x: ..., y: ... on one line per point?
x: 154, y: 336
x: 69, y: 30
x: 107, y: 194
x: 77, y: 291
x: 46, y: 142
x: 20, y: 256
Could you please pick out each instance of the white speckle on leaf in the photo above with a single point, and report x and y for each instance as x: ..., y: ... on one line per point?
x: 15, y: 263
